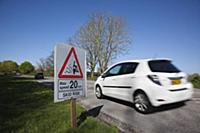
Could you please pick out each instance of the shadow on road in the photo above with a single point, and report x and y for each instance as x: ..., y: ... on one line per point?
x: 169, y: 107
x: 94, y: 112
x: 119, y: 101
x: 155, y: 110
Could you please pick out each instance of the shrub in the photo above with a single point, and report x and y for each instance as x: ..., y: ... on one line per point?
x: 195, y: 79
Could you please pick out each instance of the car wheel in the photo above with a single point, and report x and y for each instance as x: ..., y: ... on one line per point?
x: 142, y: 104
x: 98, y: 92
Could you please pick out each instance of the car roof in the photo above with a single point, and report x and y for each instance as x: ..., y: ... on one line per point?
x: 138, y: 61
x: 143, y: 60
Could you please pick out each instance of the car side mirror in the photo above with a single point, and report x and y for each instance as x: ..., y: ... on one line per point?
x: 104, y: 75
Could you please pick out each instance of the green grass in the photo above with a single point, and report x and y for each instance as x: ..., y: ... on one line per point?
x: 27, y: 107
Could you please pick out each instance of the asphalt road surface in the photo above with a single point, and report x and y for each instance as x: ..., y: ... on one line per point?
x: 174, y: 118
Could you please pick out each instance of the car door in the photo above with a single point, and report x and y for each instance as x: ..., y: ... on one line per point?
x: 119, y: 81
x: 124, y: 83
x: 109, y: 81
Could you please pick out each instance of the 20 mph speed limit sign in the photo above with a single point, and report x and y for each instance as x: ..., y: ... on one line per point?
x: 69, y: 73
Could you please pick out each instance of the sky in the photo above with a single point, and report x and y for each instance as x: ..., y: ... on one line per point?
x: 29, y: 29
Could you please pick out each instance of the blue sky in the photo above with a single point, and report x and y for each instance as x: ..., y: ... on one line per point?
x: 29, y: 29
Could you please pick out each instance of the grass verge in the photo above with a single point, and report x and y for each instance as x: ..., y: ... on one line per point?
x: 27, y: 107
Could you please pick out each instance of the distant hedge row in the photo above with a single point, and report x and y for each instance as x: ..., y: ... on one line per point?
x: 195, y: 79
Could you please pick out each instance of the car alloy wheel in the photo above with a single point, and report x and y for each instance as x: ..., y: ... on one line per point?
x: 98, y: 92
x: 142, y: 103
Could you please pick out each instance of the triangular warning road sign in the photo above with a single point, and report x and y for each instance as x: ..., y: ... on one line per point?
x: 71, y: 67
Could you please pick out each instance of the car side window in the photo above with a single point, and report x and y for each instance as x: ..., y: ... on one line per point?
x: 115, y: 70
x: 128, y: 68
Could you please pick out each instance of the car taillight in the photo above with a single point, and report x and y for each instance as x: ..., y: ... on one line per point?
x: 154, y: 78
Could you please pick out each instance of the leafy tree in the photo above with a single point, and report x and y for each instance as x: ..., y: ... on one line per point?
x: 1, y: 67
x: 8, y: 66
x: 195, y: 79
x: 26, y: 67
x: 103, y: 37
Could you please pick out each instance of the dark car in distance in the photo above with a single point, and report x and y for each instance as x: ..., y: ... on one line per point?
x: 39, y: 76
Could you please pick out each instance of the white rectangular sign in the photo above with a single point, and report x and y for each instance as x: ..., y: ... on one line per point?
x: 69, y: 72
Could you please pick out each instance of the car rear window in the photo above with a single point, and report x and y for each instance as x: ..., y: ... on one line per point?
x: 162, y: 66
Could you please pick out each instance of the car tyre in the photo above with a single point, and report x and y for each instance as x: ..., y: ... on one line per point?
x: 98, y: 92
x: 142, y: 103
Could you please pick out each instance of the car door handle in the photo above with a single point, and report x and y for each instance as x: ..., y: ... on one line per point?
x: 133, y: 77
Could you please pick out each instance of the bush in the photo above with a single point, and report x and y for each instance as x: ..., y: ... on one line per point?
x: 26, y: 67
x: 195, y: 79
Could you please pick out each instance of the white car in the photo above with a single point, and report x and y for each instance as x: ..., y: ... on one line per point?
x: 147, y: 83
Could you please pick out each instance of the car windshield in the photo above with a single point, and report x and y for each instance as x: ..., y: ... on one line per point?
x: 163, y: 66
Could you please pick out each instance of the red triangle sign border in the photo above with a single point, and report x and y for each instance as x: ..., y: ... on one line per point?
x: 60, y: 75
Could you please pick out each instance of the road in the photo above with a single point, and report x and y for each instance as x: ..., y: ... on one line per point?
x: 175, y: 118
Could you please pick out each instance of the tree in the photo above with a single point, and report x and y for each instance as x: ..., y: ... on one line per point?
x: 26, y: 67
x: 50, y: 64
x: 46, y: 65
x: 103, y: 37
x: 195, y: 79
x: 1, y: 67
x: 8, y: 66
x: 41, y: 65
